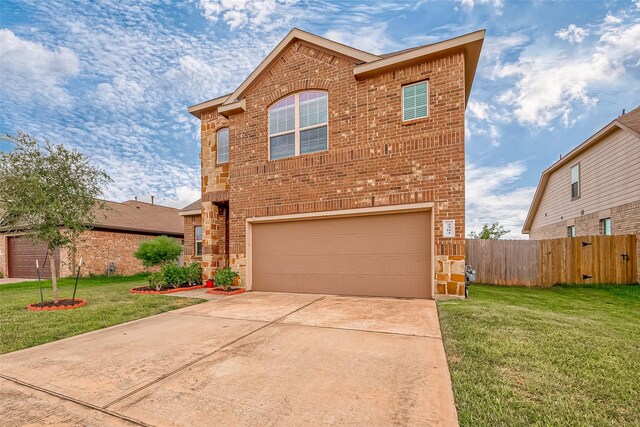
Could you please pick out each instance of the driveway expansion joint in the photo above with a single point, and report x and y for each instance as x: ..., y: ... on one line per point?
x: 193, y: 362
x: 76, y: 401
x: 363, y: 330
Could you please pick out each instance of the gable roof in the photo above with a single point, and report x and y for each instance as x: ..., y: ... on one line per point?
x: 365, y: 63
x: 629, y: 122
x: 133, y: 216
x: 194, y: 208
x: 139, y: 216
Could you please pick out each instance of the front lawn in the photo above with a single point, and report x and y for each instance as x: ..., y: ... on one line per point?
x: 108, y: 303
x: 548, y: 356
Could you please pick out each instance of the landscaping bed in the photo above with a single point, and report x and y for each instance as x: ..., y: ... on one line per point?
x: 231, y: 291
x: 63, y: 304
x: 153, y: 290
x: 109, y: 303
x: 565, y: 355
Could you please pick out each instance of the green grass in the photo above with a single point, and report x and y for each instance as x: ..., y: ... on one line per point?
x: 562, y: 356
x: 108, y: 303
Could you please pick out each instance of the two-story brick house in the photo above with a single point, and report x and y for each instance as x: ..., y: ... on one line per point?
x: 594, y: 189
x: 333, y: 170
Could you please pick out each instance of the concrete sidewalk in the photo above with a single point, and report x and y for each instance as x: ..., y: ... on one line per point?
x: 252, y: 359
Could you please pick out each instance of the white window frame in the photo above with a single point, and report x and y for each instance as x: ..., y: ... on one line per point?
x: 571, y: 231
x: 577, y: 196
x: 218, y: 162
x: 603, y: 229
x: 296, y: 129
x: 195, y: 238
x: 402, y: 100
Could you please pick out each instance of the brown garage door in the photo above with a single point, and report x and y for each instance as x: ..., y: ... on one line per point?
x: 375, y: 255
x: 22, y: 259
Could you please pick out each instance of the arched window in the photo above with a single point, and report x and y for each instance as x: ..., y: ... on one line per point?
x: 223, y: 145
x: 298, y: 125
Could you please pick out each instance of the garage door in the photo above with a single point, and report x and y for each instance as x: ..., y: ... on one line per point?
x: 375, y: 255
x: 22, y: 259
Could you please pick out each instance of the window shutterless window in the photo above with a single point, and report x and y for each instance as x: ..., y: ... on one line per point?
x: 198, y: 241
x: 606, y: 226
x: 571, y: 231
x: 575, y: 181
x: 298, y: 125
x: 223, y: 145
x: 415, y: 101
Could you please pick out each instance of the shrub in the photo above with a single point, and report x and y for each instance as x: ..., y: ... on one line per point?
x: 194, y: 273
x: 224, y: 277
x: 160, y: 250
x: 156, y: 280
x: 174, y: 275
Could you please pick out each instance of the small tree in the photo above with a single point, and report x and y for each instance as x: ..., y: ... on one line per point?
x: 160, y: 250
x: 493, y: 231
x: 48, y: 192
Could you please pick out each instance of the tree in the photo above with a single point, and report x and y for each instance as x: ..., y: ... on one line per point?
x: 48, y: 192
x: 160, y: 250
x: 493, y: 231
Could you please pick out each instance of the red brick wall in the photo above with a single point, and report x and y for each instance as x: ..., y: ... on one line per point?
x: 4, y: 260
x: 99, y: 248
x: 374, y: 158
x: 190, y: 224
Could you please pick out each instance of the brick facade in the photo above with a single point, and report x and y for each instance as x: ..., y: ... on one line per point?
x: 374, y: 158
x: 98, y: 249
x: 625, y: 219
x: 190, y: 224
x: 4, y: 260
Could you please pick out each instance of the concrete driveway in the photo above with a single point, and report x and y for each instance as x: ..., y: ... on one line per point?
x: 253, y: 359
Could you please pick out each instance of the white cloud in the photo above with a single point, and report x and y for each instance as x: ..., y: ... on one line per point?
x: 491, y: 196
x: 181, y: 197
x: 497, y: 4
x: 550, y: 83
x: 573, y: 34
x: 30, y: 72
x: 255, y: 13
x: 370, y: 38
x: 484, y: 119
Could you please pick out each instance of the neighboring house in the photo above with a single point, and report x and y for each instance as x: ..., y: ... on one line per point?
x: 110, y: 244
x: 593, y: 190
x: 192, y: 220
x: 334, y: 170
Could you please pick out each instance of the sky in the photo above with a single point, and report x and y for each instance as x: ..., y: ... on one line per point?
x: 114, y: 78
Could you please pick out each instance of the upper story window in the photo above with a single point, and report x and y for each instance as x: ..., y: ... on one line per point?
x: 198, y: 232
x: 415, y: 101
x: 606, y: 226
x: 223, y: 145
x: 298, y: 125
x: 575, y: 181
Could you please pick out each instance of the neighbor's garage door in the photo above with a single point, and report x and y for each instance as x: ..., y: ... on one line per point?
x: 375, y: 255
x: 22, y: 259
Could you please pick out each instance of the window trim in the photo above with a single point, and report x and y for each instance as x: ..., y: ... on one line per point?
x: 571, y: 231
x: 218, y: 162
x: 603, y: 221
x: 196, y: 241
x: 402, y: 88
x: 296, y: 127
x: 579, y: 181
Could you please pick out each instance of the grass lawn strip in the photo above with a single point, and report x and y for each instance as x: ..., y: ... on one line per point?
x: 545, y: 356
x: 108, y: 303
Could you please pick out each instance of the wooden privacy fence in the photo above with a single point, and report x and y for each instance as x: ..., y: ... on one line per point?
x: 588, y: 259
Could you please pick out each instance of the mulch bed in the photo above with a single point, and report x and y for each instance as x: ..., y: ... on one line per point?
x: 152, y: 290
x: 220, y: 291
x: 63, y: 304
